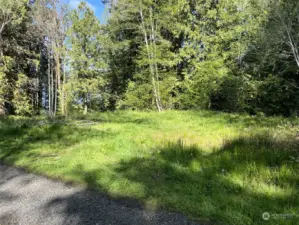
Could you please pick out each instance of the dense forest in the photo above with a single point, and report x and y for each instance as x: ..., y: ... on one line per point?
x: 228, y: 55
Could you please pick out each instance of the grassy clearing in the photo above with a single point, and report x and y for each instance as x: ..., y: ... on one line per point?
x: 216, y: 167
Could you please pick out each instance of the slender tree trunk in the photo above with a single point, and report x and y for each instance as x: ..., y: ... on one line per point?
x: 85, y: 105
x: 3, y: 26
x: 152, y: 72
x: 55, y: 94
x: 291, y: 42
x: 62, y: 93
x: 2, y: 102
x: 36, y: 95
x: 49, y: 86
x: 293, y: 48
x: 154, y: 52
x: 2, y: 109
x: 58, y: 90
x: 52, y: 91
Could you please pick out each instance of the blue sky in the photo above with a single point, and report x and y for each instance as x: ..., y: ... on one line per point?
x: 96, y: 5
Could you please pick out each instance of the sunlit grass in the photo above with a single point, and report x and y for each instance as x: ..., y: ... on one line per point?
x: 215, y: 167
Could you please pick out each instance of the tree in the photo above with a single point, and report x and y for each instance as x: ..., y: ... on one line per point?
x: 19, y: 46
x: 286, y: 18
x: 85, y: 49
x: 50, y: 16
x: 231, y: 55
x: 140, y: 31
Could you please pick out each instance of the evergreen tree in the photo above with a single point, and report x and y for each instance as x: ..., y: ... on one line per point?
x: 19, y: 47
x: 86, y: 56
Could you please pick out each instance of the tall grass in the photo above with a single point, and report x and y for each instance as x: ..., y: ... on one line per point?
x: 215, y: 167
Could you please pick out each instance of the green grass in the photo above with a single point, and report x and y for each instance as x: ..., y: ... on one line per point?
x: 215, y: 167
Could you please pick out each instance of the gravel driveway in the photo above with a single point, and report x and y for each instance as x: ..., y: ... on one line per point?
x: 27, y: 199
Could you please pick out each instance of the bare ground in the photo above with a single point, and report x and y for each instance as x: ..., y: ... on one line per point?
x: 29, y: 199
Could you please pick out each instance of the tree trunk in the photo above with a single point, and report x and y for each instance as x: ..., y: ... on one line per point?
x: 2, y: 110
x: 55, y: 96
x: 85, y: 105
x: 49, y: 86
x: 149, y: 54
x: 291, y: 41
x: 154, y: 52
x: 62, y: 93
x: 58, y: 90
x: 52, y: 91
x: 37, y: 94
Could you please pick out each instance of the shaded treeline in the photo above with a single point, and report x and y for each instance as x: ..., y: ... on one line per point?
x: 177, y: 54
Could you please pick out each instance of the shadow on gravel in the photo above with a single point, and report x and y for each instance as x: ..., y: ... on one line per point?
x: 7, y: 196
x: 44, y: 201
x: 90, y: 208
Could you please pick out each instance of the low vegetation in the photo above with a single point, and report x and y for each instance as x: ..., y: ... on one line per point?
x: 215, y: 167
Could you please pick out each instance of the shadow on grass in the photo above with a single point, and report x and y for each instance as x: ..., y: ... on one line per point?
x: 234, y: 185
x: 18, y: 137
x: 121, y: 117
x: 245, y: 120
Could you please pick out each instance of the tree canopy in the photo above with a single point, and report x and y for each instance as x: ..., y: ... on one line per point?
x: 229, y: 55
